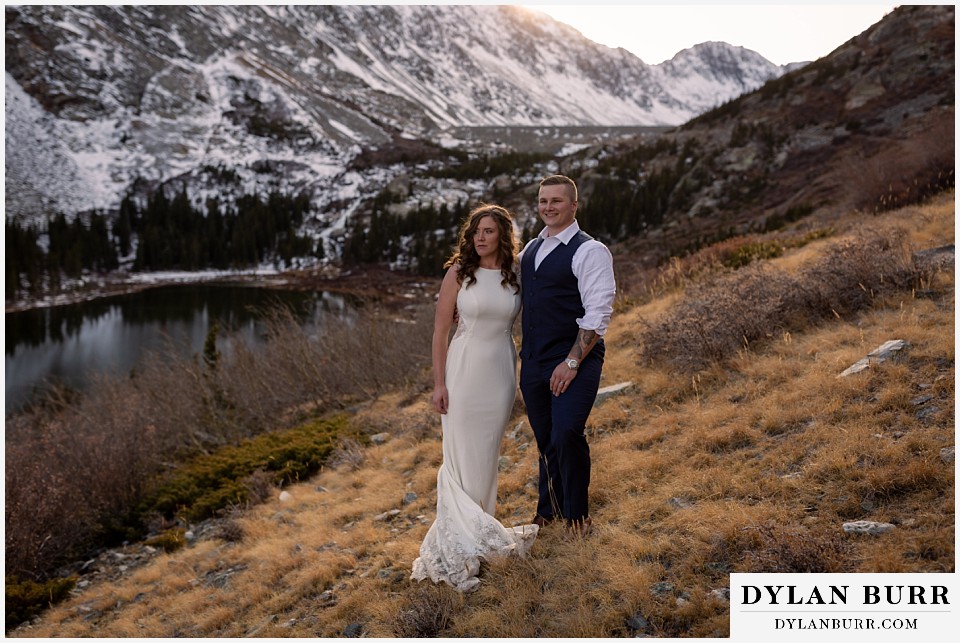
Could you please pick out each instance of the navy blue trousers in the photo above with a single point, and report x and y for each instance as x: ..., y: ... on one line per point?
x: 558, y: 424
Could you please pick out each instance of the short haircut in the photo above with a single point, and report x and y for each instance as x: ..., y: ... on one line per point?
x: 560, y: 179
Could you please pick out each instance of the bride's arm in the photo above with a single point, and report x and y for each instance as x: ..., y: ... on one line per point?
x: 442, y: 322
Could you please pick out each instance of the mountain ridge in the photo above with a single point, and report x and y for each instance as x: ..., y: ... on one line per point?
x: 153, y: 92
x: 868, y: 126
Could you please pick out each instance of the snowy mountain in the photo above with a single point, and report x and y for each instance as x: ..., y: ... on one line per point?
x: 102, y: 98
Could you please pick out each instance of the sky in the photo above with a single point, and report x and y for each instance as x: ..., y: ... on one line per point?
x: 781, y: 33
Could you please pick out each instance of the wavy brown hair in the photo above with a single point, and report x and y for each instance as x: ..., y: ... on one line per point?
x: 466, y: 255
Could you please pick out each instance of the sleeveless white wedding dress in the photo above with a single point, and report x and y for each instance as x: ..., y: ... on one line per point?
x: 481, y: 381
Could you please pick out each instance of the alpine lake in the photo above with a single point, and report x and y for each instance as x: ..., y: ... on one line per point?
x: 73, y: 345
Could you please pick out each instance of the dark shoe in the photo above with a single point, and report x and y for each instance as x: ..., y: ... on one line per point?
x: 579, y: 528
x: 540, y: 521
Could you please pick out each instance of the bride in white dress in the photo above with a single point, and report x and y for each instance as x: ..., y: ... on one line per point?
x: 475, y: 382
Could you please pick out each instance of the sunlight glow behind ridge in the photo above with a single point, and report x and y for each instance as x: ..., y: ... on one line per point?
x: 780, y: 33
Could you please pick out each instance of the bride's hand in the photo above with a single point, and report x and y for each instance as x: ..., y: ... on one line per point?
x: 440, y: 399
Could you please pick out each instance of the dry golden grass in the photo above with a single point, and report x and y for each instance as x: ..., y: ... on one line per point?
x: 753, y: 466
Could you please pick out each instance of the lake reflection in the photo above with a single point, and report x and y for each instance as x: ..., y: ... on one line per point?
x: 73, y: 344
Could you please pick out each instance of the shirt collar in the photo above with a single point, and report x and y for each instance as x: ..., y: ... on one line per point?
x: 566, y: 236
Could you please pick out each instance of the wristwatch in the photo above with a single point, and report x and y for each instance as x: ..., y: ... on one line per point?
x: 572, y: 364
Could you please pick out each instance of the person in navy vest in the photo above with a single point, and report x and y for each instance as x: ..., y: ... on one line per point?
x: 568, y: 288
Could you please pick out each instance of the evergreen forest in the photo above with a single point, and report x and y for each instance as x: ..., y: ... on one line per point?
x: 171, y: 233
x: 161, y: 234
x: 422, y: 238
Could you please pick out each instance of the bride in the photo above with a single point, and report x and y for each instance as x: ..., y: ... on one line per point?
x: 475, y: 382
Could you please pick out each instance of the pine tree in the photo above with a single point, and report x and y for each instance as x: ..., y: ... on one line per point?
x: 123, y: 228
x: 24, y: 260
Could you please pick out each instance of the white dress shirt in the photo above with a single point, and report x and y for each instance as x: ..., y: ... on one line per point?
x: 593, y: 268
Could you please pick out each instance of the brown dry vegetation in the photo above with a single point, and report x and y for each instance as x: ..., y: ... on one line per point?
x: 77, y: 466
x: 752, y: 464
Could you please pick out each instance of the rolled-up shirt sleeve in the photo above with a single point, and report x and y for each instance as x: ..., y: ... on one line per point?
x: 593, y: 267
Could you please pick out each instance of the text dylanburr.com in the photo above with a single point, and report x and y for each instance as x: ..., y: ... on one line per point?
x: 847, y: 607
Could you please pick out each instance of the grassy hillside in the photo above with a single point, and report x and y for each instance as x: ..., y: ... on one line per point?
x: 751, y: 463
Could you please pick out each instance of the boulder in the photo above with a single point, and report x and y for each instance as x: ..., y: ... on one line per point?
x: 887, y: 350
x: 868, y: 527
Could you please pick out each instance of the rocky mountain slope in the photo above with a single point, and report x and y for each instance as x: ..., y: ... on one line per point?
x: 101, y: 97
x: 868, y: 127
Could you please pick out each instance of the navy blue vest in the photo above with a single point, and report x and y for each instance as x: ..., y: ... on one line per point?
x: 551, y: 303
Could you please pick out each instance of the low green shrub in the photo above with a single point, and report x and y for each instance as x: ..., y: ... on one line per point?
x: 750, y: 252
x: 26, y: 598
x: 792, y: 214
x: 208, y: 483
x: 168, y: 541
